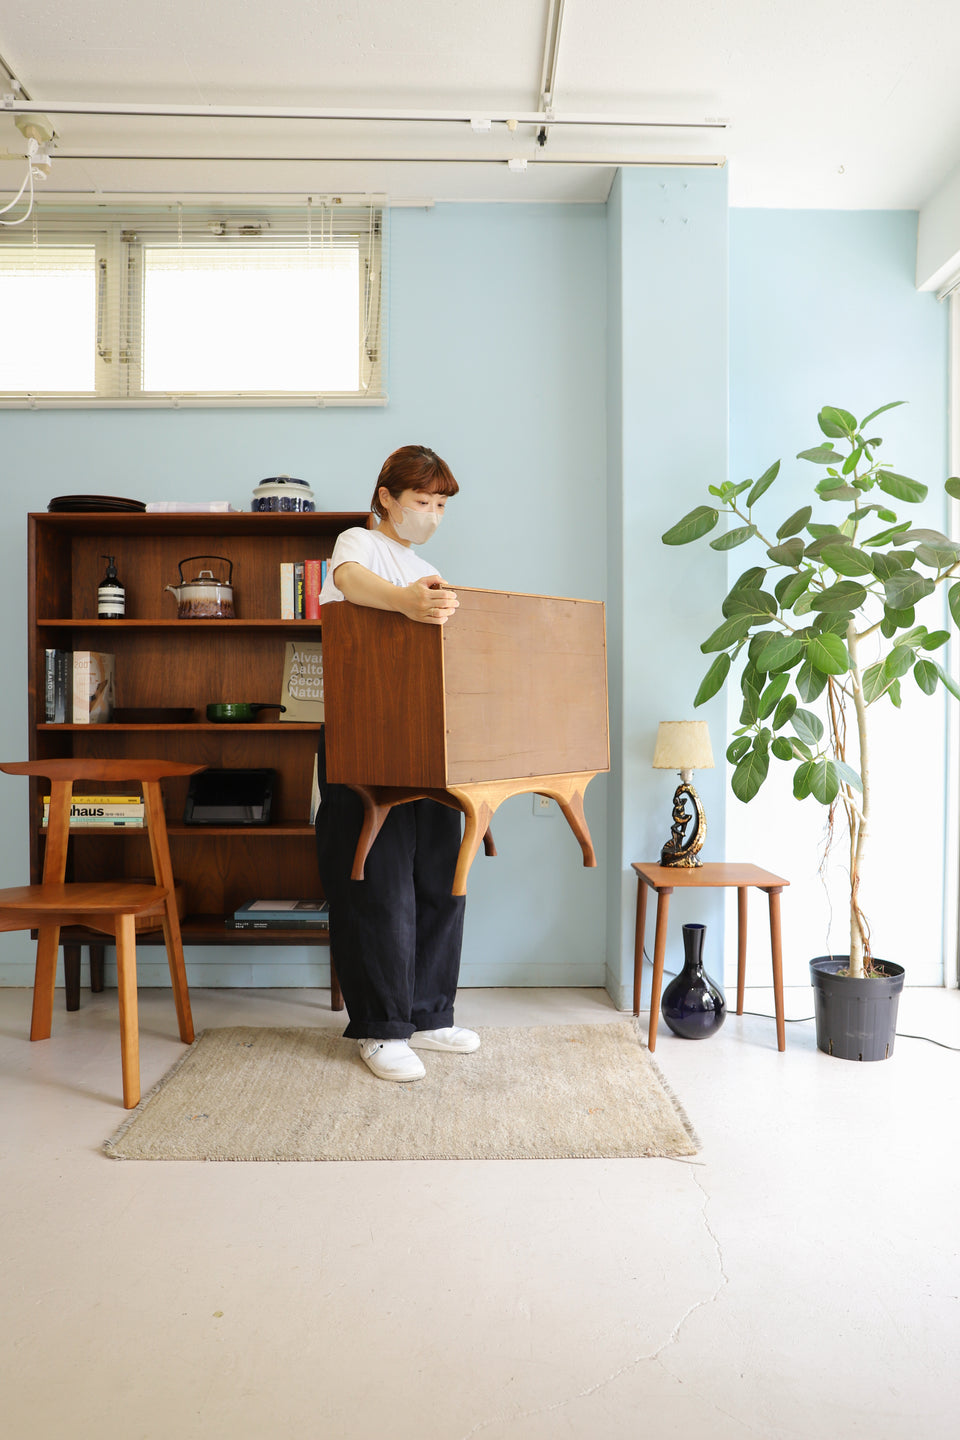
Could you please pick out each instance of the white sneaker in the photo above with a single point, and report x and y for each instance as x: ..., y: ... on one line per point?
x: 452, y: 1038
x: 391, y: 1059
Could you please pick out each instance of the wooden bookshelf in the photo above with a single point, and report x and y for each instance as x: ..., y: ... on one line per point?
x: 162, y: 661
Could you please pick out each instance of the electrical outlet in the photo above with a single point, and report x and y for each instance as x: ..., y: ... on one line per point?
x: 542, y: 805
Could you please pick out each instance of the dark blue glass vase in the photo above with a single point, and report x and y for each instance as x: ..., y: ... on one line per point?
x: 692, y: 1005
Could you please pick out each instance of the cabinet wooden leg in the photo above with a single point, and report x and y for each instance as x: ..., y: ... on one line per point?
x: 776, y: 956
x: 96, y: 969
x: 71, y: 975
x: 336, y: 994
x: 741, y: 945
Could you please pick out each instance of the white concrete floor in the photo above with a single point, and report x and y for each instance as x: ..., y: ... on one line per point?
x: 798, y: 1279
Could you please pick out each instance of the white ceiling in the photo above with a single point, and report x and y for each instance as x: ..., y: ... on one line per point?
x: 828, y: 103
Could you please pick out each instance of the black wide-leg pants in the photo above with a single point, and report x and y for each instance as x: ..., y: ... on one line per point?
x: 395, y: 936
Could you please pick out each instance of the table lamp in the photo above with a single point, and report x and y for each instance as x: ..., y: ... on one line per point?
x: 684, y: 745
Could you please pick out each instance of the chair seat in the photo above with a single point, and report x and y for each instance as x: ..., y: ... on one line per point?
x: 100, y: 898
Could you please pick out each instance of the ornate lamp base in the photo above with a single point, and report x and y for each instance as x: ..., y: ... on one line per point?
x: 677, y: 851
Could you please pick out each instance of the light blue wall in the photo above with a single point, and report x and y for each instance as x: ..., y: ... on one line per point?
x: 824, y: 311
x: 497, y: 360
x: 667, y: 428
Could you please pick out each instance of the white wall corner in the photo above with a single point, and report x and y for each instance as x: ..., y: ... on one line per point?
x: 938, y: 237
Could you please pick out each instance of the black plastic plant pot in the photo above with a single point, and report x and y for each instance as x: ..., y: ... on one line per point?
x: 856, y: 1019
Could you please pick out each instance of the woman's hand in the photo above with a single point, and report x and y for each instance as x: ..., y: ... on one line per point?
x: 428, y: 600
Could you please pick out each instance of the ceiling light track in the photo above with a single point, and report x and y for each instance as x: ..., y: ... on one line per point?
x: 314, y: 112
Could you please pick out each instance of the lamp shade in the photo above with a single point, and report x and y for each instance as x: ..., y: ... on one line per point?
x: 683, y: 745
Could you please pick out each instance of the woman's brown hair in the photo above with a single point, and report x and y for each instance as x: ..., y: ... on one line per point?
x: 413, y: 467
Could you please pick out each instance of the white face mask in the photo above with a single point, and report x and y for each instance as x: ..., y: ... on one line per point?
x: 417, y: 525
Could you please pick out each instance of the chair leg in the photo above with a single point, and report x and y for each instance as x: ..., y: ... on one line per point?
x: 71, y: 975
x: 178, y: 971
x: 96, y: 969
x: 126, y: 937
x: 48, y: 945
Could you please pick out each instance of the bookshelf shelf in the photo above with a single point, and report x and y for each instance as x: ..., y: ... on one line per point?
x: 162, y: 662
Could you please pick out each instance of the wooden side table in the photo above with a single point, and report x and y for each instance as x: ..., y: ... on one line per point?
x: 664, y: 879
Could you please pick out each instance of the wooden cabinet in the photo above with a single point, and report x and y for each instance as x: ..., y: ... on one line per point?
x: 163, y: 662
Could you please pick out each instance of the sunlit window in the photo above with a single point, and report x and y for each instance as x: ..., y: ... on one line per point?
x: 48, y: 301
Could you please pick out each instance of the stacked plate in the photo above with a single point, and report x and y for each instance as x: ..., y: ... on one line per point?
x: 94, y: 502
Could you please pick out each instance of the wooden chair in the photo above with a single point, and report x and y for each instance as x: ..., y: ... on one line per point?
x: 110, y: 906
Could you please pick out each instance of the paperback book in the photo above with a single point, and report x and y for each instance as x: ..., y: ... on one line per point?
x: 93, y: 674
x: 302, y: 689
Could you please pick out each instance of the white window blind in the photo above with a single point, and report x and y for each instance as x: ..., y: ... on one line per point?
x: 194, y: 305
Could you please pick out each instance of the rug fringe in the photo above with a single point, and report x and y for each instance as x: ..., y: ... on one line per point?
x: 681, y: 1112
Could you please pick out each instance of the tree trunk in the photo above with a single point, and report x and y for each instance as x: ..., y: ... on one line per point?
x: 858, y: 824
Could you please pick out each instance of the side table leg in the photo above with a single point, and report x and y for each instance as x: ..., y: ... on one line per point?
x: 659, y: 950
x: 96, y: 968
x: 774, y: 897
x: 639, y: 933
x: 741, y: 945
x: 336, y: 994
x: 71, y: 975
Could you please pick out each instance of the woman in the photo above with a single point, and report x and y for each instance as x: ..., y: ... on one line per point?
x: 395, y: 935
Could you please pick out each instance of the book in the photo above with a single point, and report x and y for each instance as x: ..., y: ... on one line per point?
x: 294, y: 911
x: 302, y: 687
x: 84, y: 807
x: 87, y: 822
x: 319, y: 922
x: 299, y: 593
x: 93, y: 673
x: 286, y: 590
x: 56, y: 707
x: 311, y: 589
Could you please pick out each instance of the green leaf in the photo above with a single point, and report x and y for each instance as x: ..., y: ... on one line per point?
x: 898, y: 662
x: 894, y: 620
x: 732, y: 491
x: 809, y: 682
x: 886, y: 565
x: 782, y: 748
x: 764, y: 483
x: 901, y: 487
x: 795, y: 523
x: 784, y: 710
x: 833, y: 623
x: 847, y: 560
x: 727, y: 634
x: 809, y: 727
x: 828, y: 653
x: 750, y: 774
x: 698, y: 522
x: 882, y: 512
x: 828, y: 490
x: 874, y: 413
x: 771, y: 696
x: 938, y: 557
x: 713, y: 680
x: 758, y: 604
x: 883, y: 537
x: 737, y: 749
x: 925, y: 674
x: 894, y: 694
x: 751, y: 683
x: 953, y: 600
x: 732, y: 538
x: 906, y: 588
x: 778, y: 651
x: 802, y: 777
x: 836, y: 422
x: 948, y: 681
x: 820, y: 455
x: 804, y: 604
x: 789, y: 553
x: 845, y: 595
x: 914, y: 637
x: 935, y: 639
x: 751, y: 579
x: 952, y: 487
x: 848, y: 776
x: 927, y: 537
x: 789, y: 589
x: 852, y: 461
x: 875, y: 682
x: 820, y: 531
x: 824, y: 781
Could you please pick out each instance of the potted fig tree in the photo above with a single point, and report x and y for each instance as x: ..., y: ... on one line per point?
x: 821, y: 633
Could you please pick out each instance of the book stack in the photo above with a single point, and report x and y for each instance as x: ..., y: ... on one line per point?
x: 280, y: 915
x: 78, y: 687
x: 300, y: 584
x: 118, y: 811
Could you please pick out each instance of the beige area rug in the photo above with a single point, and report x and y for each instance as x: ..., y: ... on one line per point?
x: 539, y: 1093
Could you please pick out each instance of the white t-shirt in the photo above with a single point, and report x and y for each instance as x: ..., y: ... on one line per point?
x: 400, y: 564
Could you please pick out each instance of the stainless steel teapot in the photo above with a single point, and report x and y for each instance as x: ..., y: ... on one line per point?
x: 205, y: 597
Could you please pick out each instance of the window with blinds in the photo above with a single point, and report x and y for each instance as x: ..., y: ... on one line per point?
x: 170, y: 305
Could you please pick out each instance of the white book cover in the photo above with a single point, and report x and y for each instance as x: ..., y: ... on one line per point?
x: 93, y: 674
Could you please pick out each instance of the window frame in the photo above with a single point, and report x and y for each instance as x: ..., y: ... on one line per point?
x: 121, y: 234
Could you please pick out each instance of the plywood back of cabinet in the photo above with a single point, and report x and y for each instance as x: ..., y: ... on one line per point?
x: 525, y: 681
x: 512, y: 686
